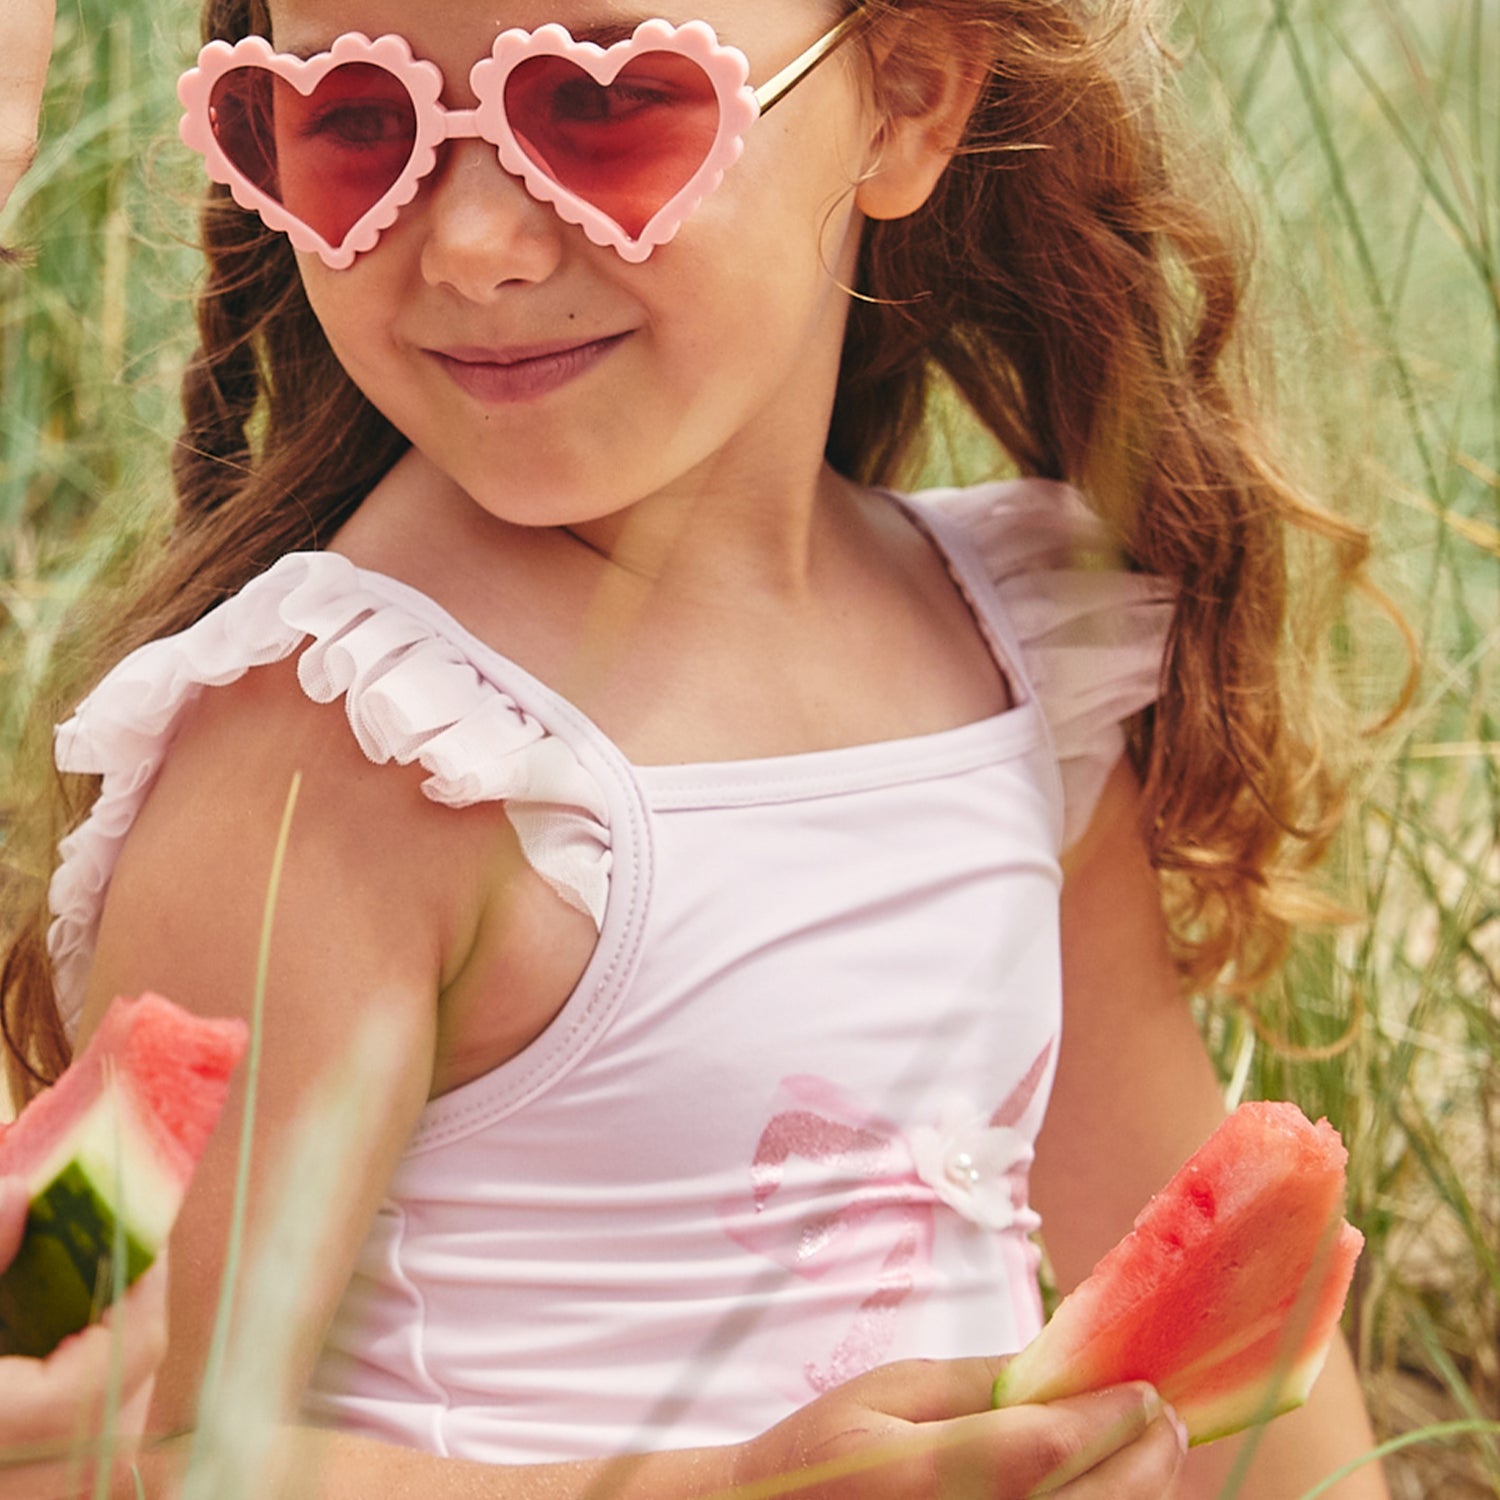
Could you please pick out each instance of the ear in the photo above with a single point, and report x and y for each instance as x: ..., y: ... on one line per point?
x: 926, y: 84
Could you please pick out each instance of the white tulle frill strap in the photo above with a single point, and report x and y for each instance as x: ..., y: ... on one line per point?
x: 410, y: 694
x: 1091, y: 635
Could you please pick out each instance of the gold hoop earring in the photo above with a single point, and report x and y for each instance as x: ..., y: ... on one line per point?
x: 870, y: 301
x: 849, y: 291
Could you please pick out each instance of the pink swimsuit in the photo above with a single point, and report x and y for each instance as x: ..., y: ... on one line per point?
x: 781, y: 1131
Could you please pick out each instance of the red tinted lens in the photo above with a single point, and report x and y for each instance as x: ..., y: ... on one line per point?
x: 627, y: 147
x: 327, y: 157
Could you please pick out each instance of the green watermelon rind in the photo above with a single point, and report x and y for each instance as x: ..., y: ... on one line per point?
x: 1207, y: 1419
x: 62, y: 1278
x: 1221, y: 1417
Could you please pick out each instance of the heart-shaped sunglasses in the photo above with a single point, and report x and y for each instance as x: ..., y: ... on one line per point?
x: 623, y: 140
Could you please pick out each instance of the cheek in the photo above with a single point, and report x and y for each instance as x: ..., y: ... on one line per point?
x: 801, y: 178
x: 796, y: 240
x: 347, y: 305
x: 754, y: 287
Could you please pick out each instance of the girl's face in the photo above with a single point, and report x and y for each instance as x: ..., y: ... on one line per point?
x: 554, y: 381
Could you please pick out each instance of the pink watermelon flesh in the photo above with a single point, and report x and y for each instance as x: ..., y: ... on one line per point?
x: 174, y: 1066
x: 1226, y: 1293
x: 107, y: 1154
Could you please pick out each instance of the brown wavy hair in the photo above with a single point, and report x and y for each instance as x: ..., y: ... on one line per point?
x: 1066, y: 279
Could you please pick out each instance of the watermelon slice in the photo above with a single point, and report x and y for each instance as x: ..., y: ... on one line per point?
x: 1226, y: 1294
x: 113, y: 1143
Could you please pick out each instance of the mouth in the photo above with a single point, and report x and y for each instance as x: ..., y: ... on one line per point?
x: 524, y: 372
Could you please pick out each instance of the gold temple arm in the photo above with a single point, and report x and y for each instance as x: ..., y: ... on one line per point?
x: 774, y: 89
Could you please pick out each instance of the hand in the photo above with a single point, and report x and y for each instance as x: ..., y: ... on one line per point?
x: 57, y: 1401
x: 919, y: 1429
x: 25, y: 47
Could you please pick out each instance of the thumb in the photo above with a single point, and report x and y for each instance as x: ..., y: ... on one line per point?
x: 929, y: 1390
x: 14, y: 1201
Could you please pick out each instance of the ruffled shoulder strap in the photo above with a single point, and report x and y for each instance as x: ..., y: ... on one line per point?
x: 1091, y: 636
x: 411, y: 694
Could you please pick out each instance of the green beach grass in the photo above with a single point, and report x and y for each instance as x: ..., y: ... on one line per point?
x: 1366, y: 136
x: 1369, y: 140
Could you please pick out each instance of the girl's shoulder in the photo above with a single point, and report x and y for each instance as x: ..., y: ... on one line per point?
x: 361, y: 672
x: 1088, y: 635
x: 1027, y: 533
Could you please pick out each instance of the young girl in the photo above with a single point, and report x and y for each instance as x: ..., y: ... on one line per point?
x: 720, y: 835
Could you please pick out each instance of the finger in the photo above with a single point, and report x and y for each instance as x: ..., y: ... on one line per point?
x: 140, y: 1323
x: 44, y: 1400
x: 14, y: 1200
x: 1143, y: 1470
x: 134, y: 1332
x: 25, y: 48
x: 50, y: 1466
x: 1047, y: 1447
x: 41, y: 1481
x: 1086, y: 1431
x: 1010, y: 1454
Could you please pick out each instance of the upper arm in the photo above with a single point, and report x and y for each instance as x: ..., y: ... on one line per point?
x: 1135, y: 1092
x: 1135, y: 1096
x: 363, y: 929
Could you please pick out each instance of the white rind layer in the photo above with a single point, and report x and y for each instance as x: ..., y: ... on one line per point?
x: 115, y: 1149
x: 1228, y: 1413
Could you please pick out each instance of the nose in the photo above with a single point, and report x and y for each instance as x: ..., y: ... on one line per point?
x: 483, y: 230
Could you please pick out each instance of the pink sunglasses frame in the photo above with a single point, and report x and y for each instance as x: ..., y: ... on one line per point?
x: 726, y: 68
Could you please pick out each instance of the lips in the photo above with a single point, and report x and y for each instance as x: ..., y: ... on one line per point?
x: 524, y: 372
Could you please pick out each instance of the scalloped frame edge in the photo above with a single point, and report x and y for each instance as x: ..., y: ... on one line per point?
x: 726, y: 68
x: 421, y: 79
